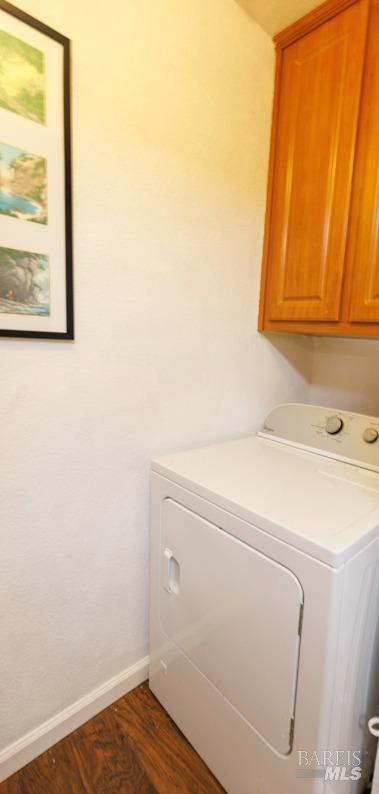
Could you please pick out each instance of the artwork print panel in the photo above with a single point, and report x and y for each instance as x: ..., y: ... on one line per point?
x: 23, y: 184
x: 22, y: 78
x: 24, y: 282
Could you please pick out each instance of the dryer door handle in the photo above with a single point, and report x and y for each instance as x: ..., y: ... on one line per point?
x: 171, y: 572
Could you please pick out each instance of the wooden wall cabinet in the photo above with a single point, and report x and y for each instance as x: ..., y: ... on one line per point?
x: 321, y: 255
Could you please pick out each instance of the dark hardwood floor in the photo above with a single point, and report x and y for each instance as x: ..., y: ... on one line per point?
x: 132, y: 746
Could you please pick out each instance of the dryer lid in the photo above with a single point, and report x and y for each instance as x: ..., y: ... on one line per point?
x: 324, y: 507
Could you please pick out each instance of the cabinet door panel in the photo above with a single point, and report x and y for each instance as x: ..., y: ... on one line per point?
x: 320, y: 86
x: 364, y: 236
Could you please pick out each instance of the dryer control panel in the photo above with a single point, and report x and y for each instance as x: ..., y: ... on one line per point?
x: 343, y: 435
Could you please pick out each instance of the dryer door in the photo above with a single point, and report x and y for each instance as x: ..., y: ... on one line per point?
x: 236, y: 615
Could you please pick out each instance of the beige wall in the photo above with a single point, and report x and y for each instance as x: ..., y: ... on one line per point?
x: 275, y: 15
x: 345, y: 374
x: 171, y: 118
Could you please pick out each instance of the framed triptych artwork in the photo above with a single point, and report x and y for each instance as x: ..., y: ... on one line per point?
x: 36, y: 288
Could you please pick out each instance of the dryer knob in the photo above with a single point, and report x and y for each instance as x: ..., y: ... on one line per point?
x: 370, y: 435
x: 334, y: 425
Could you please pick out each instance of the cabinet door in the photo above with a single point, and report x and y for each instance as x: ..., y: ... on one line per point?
x: 317, y: 116
x: 364, y: 228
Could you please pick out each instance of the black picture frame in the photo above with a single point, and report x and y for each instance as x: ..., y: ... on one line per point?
x: 68, y: 333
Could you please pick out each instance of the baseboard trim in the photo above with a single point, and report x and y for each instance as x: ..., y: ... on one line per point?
x: 35, y: 742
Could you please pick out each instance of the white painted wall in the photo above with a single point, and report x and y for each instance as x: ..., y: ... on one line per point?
x: 171, y: 118
x: 275, y: 15
x: 345, y: 374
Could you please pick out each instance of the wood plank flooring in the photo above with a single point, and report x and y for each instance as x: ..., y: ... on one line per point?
x: 132, y: 747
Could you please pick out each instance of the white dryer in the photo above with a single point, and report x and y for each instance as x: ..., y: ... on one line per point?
x: 264, y: 601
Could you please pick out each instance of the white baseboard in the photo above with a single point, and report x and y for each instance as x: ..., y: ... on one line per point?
x: 31, y: 745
